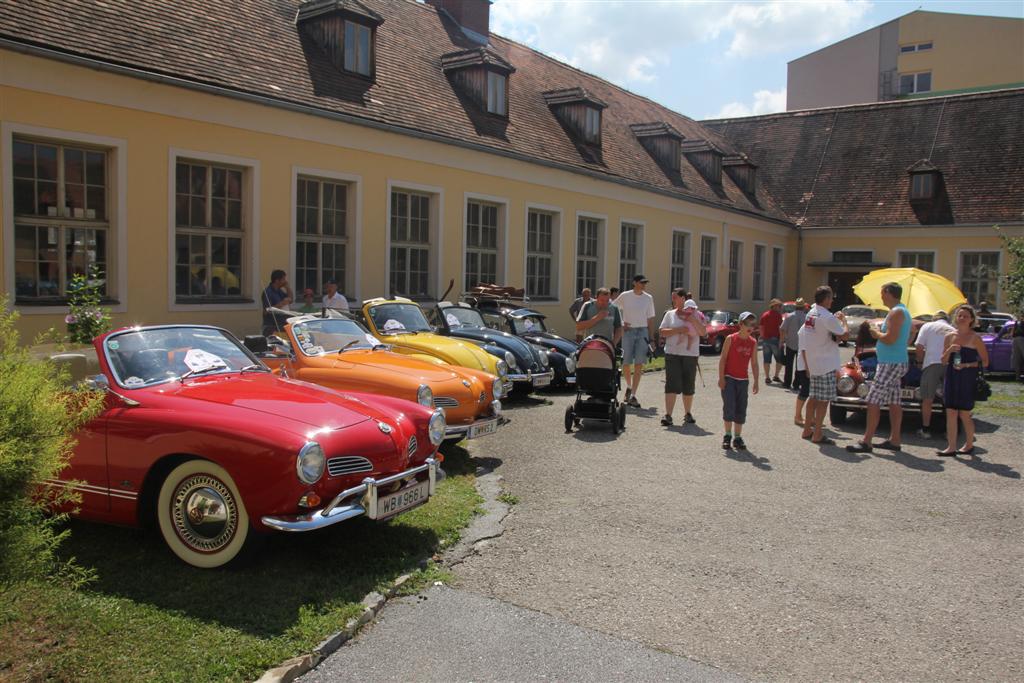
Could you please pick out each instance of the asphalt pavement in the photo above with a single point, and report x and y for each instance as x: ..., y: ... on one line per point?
x: 786, y: 561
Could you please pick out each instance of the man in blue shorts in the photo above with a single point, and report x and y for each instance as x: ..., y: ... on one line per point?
x: 637, y: 307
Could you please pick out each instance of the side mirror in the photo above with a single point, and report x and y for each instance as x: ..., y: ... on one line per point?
x: 96, y: 383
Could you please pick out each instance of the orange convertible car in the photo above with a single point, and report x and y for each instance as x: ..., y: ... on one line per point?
x: 341, y: 354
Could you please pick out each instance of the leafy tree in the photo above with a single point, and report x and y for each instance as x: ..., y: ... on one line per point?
x: 39, y: 413
x: 86, y: 319
x: 1013, y: 277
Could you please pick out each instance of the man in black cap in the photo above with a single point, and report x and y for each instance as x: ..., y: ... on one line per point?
x: 637, y: 309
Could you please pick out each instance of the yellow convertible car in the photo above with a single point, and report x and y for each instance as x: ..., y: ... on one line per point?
x: 401, y: 324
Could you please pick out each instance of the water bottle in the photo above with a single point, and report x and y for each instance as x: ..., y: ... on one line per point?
x: 956, y: 359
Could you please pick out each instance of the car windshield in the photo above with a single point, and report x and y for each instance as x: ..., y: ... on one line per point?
x: 399, y: 319
x: 860, y: 312
x: 330, y: 335
x: 140, y: 358
x: 718, y: 317
x: 530, y: 323
x: 457, y: 317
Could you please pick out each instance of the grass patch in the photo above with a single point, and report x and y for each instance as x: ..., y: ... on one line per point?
x: 508, y: 498
x: 657, y: 363
x: 1007, y: 400
x: 150, y: 617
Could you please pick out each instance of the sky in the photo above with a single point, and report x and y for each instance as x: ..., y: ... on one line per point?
x: 703, y: 58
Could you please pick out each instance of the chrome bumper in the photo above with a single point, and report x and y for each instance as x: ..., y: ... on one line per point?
x: 334, y: 512
x: 908, y: 404
x: 460, y: 430
x: 529, y: 376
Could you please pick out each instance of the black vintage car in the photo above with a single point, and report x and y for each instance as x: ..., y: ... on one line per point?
x: 529, y: 324
x: 529, y: 366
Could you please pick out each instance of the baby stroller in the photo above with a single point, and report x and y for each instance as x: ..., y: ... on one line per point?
x: 597, y: 375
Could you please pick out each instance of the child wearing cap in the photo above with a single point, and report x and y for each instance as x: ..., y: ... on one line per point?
x: 738, y: 358
x: 307, y: 302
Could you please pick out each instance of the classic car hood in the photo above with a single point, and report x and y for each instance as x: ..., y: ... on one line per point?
x: 549, y: 340
x: 284, y: 399
x: 401, y: 368
x: 455, y: 351
x: 502, y: 339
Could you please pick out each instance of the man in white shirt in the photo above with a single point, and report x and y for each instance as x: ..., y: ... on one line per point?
x: 637, y: 309
x: 930, y: 342
x: 681, y: 328
x: 333, y: 298
x: 821, y: 353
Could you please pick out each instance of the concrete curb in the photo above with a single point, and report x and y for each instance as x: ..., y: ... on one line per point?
x: 483, y: 528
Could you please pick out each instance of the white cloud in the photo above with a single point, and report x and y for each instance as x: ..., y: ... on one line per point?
x: 765, y: 102
x: 628, y: 42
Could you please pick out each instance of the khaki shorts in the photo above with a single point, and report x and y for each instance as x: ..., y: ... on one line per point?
x: 931, y: 380
x: 680, y: 373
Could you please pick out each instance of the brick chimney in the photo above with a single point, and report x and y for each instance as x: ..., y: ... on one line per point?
x: 473, y: 16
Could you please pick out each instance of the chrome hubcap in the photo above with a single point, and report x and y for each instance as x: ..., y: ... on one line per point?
x: 204, y: 513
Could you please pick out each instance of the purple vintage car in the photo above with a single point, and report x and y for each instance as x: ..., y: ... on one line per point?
x: 1000, y: 347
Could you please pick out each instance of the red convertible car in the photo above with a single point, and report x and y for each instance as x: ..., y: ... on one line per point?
x: 719, y: 326
x: 200, y: 435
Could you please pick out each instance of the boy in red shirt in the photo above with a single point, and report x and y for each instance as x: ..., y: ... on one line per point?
x: 738, y: 355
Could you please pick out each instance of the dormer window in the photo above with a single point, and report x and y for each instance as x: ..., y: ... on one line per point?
x: 662, y: 142
x: 579, y: 111
x: 706, y: 158
x: 497, y: 93
x: 742, y: 171
x: 345, y: 30
x: 482, y: 75
x: 924, y: 181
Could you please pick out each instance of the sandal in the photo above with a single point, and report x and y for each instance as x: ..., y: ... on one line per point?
x: 946, y: 454
x: 965, y: 451
x: 859, y: 447
x: 889, y: 446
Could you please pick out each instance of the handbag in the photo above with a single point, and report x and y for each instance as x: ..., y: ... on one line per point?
x: 982, y: 389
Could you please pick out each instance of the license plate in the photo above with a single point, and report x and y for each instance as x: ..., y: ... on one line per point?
x: 483, y: 429
x: 907, y: 394
x: 400, y: 501
x: 540, y: 381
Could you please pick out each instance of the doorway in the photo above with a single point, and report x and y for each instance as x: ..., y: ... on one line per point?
x: 842, y: 288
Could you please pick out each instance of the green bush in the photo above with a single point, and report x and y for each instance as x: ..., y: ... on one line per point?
x: 38, y: 416
x: 86, y: 319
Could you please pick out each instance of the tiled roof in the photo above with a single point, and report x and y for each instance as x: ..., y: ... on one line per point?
x: 849, y: 166
x: 254, y: 47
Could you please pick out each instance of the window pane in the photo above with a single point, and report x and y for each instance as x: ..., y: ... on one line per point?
x: 24, y: 156
x: 198, y: 212
x: 96, y: 203
x: 198, y: 175
x: 363, y: 66
x: 25, y: 197
x: 218, y: 213
x: 234, y: 190
x: 924, y: 82
x: 74, y: 198
x: 96, y: 168
x: 219, y: 186
x: 74, y: 166
x: 906, y: 84
x: 46, y: 162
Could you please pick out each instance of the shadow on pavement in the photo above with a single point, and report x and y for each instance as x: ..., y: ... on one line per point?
x: 976, y: 463
x: 689, y: 430
x: 911, y: 461
x: 748, y: 457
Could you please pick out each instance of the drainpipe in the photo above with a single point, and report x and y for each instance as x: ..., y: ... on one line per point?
x: 799, y: 257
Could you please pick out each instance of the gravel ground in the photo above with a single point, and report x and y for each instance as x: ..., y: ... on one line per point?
x: 788, y: 561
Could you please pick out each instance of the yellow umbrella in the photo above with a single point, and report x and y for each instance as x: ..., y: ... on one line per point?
x: 923, y: 292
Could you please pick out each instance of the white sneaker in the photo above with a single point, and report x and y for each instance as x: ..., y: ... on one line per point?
x: 924, y: 434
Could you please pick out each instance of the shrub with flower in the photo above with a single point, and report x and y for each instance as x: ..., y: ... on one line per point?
x: 86, y: 319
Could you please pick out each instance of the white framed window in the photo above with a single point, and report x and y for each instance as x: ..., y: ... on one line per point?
x: 322, y: 233
x: 735, y: 267
x: 358, y: 48
x: 679, y: 274
x: 214, y: 218
x: 589, y: 252
x: 409, y: 257
x: 61, y: 225
x: 778, y: 263
x: 922, y: 185
x: 915, y: 83
x: 925, y: 260
x: 484, y: 252
x: 708, y: 251
x: 630, y: 253
x: 978, y: 276
x: 916, y: 47
x: 760, y: 254
x: 542, y: 240
x: 497, y: 100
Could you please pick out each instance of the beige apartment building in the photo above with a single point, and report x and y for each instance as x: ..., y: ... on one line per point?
x: 920, y: 54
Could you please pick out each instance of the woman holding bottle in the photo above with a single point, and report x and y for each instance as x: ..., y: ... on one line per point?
x: 964, y: 355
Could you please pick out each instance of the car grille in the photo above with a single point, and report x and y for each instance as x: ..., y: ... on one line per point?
x: 413, y: 445
x: 348, y: 464
x: 445, y: 402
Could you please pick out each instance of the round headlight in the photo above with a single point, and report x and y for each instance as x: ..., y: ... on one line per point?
x: 497, y: 389
x: 424, y: 396
x: 437, y: 427
x: 510, y: 360
x: 863, y: 389
x: 570, y: 364
x: 846, y: 384
x: 309, y: 466
x: 544, y: 360
x: 502, y: 368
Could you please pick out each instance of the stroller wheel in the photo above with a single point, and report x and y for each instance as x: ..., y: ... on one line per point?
x: 622, y: 418
x: 570, y: 419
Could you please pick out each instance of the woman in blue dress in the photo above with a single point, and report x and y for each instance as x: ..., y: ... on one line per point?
x: 964, y: 355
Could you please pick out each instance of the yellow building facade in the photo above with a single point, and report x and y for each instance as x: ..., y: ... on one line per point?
x: 148, y: 130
